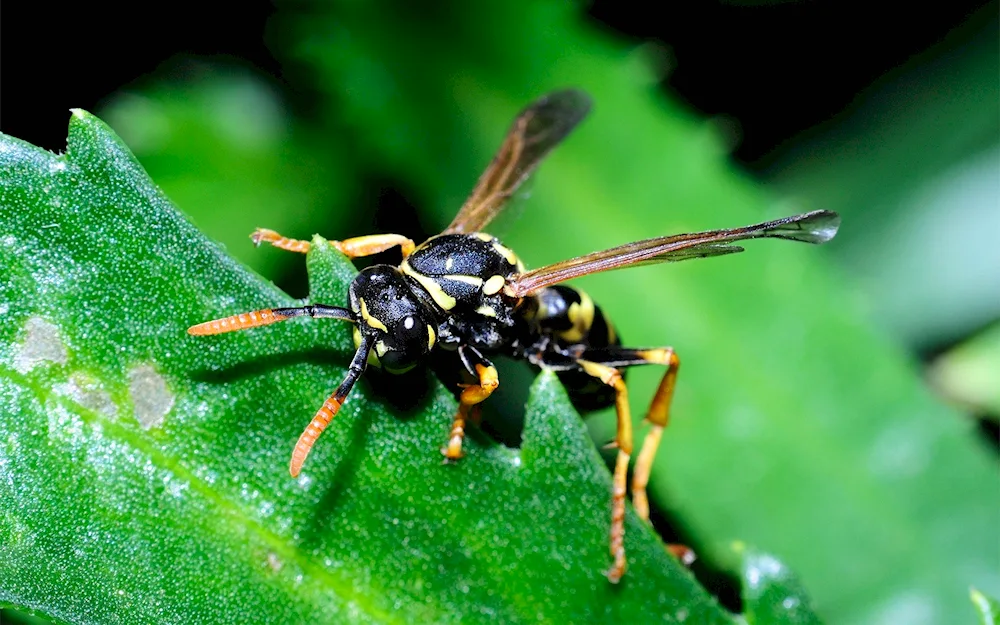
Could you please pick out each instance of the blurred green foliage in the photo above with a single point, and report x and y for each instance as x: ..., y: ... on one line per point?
x: 220, y: 139
x: 800, y: 425
x: 914, y: 167
x: 772, y: 593
x: 968, y: 373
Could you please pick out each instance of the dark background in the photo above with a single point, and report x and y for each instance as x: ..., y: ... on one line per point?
x: 774, y: 69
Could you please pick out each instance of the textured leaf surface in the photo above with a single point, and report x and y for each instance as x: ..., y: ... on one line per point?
x: 144, y: 472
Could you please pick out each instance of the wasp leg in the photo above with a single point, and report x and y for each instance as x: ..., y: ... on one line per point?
x: 613, y: 378
x: 263, y: 235
x: 476, y: 415
x: 472, y: 395
x: 658, y: 417
x: 352, y: 248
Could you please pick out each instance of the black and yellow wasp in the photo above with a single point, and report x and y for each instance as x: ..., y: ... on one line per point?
x: 463, y: 294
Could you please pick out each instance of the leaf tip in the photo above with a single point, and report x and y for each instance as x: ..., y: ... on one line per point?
x: 545, y: 378
x: 319, y: 242
x: 988, y: 608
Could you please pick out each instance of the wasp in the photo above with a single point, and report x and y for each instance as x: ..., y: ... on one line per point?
x: 464, y: 295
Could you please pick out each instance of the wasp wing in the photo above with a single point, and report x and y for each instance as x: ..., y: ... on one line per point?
x: 537, y: 129
x: 815, y: 227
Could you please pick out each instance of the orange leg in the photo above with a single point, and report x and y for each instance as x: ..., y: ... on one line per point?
x: 472, y: 394
x: 352, y: 248
x: 658, y: 417
x: 476, y: 415
x: 613, y: 378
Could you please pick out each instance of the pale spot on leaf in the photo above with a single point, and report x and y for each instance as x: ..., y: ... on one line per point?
x: 42, y: 343
x: 151, y: 398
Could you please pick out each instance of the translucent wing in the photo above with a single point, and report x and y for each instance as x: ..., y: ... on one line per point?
x: 815, y: 227
x: 537, y: 130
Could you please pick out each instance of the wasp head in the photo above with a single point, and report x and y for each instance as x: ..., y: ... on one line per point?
x: 391, y: 319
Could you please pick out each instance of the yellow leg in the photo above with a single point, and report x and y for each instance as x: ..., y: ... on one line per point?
x: 658, y: 417
x: 472, y: 395
x: 263, y: 235
x: 352, y: 248
x: 613, y: 378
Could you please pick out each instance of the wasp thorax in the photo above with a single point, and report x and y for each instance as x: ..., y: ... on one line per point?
x: 466, y: 277
x: 400, y: 327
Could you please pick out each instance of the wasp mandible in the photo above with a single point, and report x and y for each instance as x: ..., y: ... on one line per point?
x: 464, y: 293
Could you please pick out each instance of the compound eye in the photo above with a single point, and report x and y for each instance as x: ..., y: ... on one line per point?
x: 412, y: 333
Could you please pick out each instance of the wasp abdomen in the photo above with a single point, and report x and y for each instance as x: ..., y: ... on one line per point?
x: 572, y: 318
x: 577, y: 324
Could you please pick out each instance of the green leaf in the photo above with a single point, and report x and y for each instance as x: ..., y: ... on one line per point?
x: 771, y: 592
x: 144, y: 471
x: 987, y: 607
x: 798, y: 425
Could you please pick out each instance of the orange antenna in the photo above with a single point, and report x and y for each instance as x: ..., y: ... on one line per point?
x: 267, y: 316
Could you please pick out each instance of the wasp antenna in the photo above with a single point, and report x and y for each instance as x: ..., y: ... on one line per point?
x: 329, y: 409
x: 268, y: 316
x: 241, y: 321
